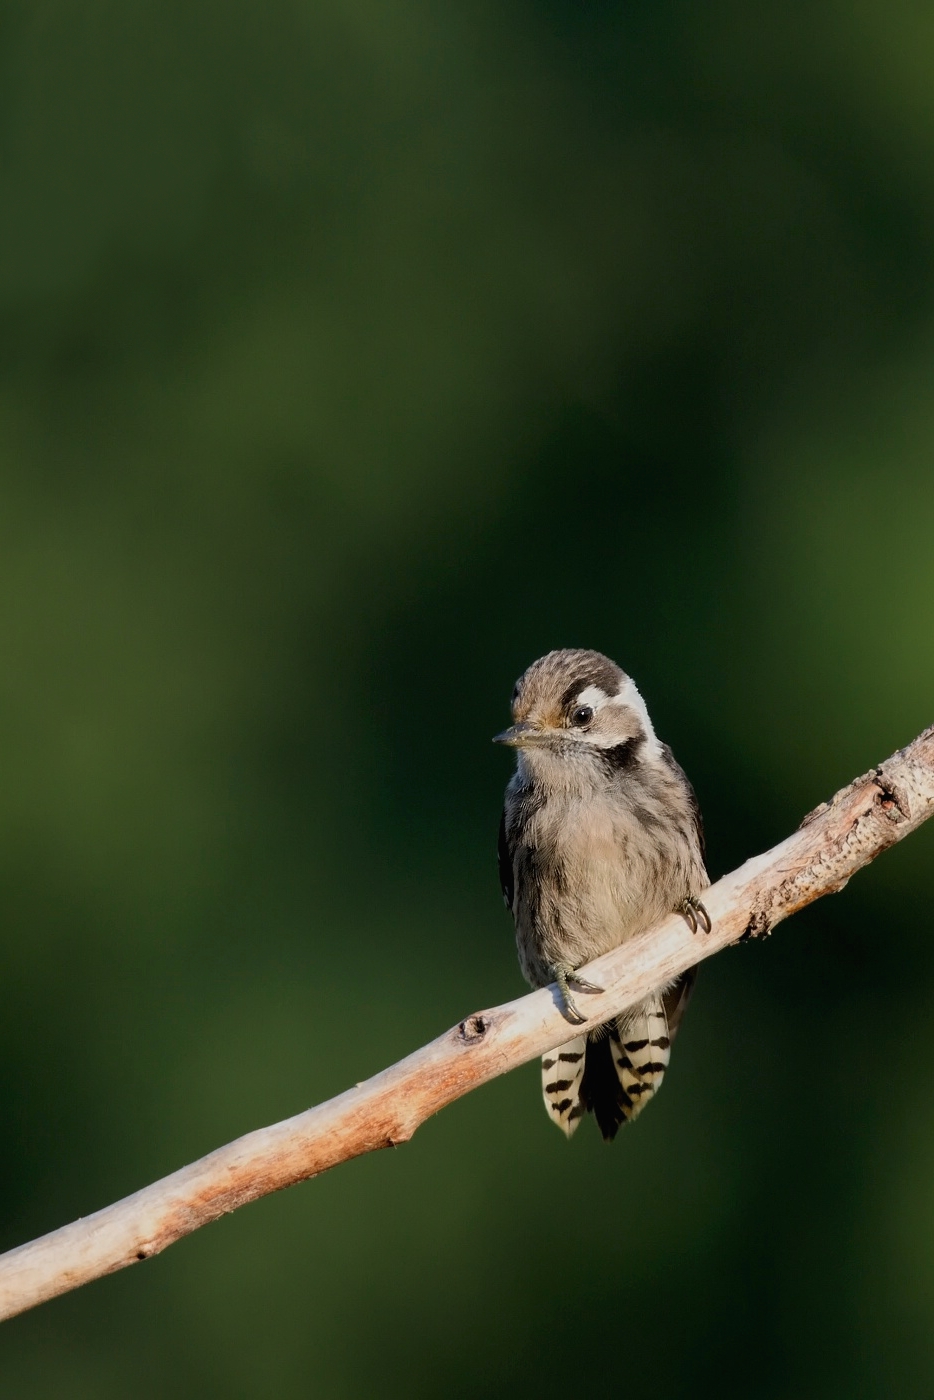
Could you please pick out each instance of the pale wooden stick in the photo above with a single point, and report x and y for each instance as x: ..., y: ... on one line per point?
x: 830, y: 845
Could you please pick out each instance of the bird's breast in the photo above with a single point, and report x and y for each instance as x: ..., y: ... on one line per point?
x: 602, y: 875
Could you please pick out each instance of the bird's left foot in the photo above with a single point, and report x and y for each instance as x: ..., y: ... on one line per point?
x: 695, y: 913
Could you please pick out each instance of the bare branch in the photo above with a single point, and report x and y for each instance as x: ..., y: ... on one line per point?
x: 832, y: 843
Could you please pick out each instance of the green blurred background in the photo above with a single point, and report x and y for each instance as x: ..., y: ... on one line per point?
x: 351, y: 356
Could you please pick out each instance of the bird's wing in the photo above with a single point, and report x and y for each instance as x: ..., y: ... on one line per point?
x: 676, y: 999
x: 691, y: 795
x: 506, y: 877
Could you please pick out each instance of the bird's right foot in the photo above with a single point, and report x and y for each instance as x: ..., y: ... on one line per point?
x: 564, y: 974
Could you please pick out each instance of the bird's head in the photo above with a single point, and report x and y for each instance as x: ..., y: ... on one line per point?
x: 577, y: 706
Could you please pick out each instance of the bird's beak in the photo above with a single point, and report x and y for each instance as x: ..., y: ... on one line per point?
x: 519, y: 735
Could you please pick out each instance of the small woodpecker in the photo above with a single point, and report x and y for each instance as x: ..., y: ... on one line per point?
x: 600, y: 838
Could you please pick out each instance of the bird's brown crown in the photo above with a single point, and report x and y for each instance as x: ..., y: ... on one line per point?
x: 551, y: 685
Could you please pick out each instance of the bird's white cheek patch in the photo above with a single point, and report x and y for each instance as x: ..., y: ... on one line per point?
x: 630, y: 697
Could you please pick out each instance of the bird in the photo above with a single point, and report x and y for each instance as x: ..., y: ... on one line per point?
x: 601, y: 836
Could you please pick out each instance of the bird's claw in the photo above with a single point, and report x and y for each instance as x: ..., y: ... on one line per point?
x: 695, y: 913
x: 564, y: 975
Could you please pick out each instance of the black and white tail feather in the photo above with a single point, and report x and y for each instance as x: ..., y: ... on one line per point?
x: 616, y: 1069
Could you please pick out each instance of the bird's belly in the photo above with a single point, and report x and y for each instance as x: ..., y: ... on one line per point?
x: 592, y: 894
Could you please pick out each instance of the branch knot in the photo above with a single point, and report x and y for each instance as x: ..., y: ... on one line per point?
x: 474, y: 1028
x: 893, y: 798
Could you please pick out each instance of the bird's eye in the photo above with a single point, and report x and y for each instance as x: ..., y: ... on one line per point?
x: 582, y: 715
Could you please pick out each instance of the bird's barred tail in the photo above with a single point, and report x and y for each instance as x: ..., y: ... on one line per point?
x: 614, y: 1075
x: 562, y: 1073
x: 625, y: 1065
x: 616, y: 1070
x: 640, y: 1049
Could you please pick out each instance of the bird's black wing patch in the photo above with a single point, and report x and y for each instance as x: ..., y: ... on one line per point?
x: 506, y: 879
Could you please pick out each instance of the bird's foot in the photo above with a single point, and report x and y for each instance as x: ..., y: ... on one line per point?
x: 695, y: 913
x: 564, y: 974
